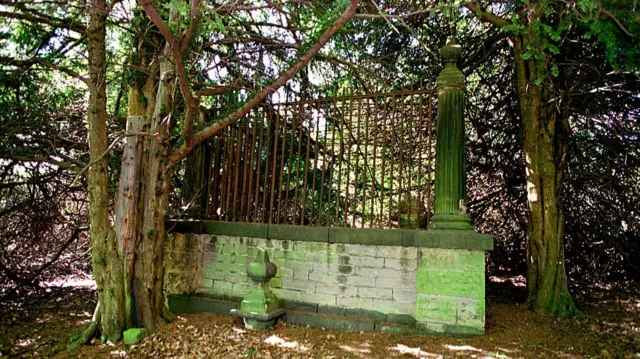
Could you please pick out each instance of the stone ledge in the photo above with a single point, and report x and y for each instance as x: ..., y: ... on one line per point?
x: 449, y: 239
x: 332, y: 318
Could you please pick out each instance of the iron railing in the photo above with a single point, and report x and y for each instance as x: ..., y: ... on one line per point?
x: 349, y: 161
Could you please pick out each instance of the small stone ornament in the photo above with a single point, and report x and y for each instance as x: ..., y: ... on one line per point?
x: 260, y: 307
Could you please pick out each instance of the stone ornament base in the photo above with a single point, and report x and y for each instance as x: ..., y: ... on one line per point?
x: 257, y: 321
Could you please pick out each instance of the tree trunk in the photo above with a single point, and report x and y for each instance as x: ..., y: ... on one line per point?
x: 106, y: 258
x: 545, y: 137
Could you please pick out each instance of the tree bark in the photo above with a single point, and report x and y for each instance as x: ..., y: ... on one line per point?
x: 106, y: 259
x: 545, y: 141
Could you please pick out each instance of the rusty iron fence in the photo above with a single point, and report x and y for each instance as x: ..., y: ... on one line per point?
x: 349, y: 161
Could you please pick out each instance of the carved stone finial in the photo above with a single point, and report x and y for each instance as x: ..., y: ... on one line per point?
x: 260, y: 307
x: 451, y: 51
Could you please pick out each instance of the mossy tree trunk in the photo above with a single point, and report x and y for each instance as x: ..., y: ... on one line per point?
x: 545, y: 142
x: 106, y: 258
x: 128, y: 255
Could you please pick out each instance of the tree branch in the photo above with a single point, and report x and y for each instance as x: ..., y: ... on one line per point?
x: 211, y: 130
x: 29, y: 63
x: 177, y: 50
x: 486, y: 16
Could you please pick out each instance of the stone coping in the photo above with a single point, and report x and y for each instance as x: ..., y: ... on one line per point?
x: 451, y: 239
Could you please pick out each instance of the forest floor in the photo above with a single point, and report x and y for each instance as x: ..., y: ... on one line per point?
x: 38, y: 325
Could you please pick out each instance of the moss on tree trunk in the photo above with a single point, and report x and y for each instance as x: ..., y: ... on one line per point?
x: 545, y: 137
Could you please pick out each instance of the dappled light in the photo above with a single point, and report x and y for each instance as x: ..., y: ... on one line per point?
x: 416, y: 352
x: 282, y: 343
x: 463, y: 348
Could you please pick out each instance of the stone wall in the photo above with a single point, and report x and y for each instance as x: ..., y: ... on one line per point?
x: 338, y: 275
x: 435, y: 289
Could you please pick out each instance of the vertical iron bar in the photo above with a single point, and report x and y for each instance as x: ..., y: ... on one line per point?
x: 251, y: 173
x: 245, y: 170
x: 259, y: 165
x: 274, y: 165
x: 306, y: 163
x: 281, y: 172
x: 324, y: 159
x: 229, y: 164
x: 315, y: 162
x: 236, y: 174
x: 429, y: 159
x: 384, y: 156
x: 420, y: 153
x: 333, y: 161
x: 217, y: 190
x: 375, y: 153
x: 365, y: 158
x: 402, y: 154
x: 393, y: 150
x: 349, y: 127
x: 265, y: 186
x: 290, y: 167
x: 341, y: 159
x: 297, y: 183
x: 355, y: 183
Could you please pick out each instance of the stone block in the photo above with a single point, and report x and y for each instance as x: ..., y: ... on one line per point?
x: 323, y: 257
x: 403, y: 264
x: 255, y: 230
x: 470, y: 313
x: 331, y: 323
x: 363, y: 261
x: 318, y: 298
x: 404, y: 295
x: 391, y: 306
x: 454, y: 239
x: 284, y: 272
x: 372, y: 292
x: 407, y: 319
x: 301, y: 285
x: 340, y: 289
x: 361, y: 250
x: 381, y: 272
x: 367, y: 236
x: 438, y: 259
x: 405, y: 283
x: 396, y: 252
x: 434, y: 308
x: 286, y: 294
x: 299, y: 233
x: 312, y: 247
x: 241, y: 289
x: 301, y: 274
x: 222, y: 287
x: 351, y: 302
x: 296, y: 256
x: 451, y: 283
x: 472, y: 261
x: 297, y: 265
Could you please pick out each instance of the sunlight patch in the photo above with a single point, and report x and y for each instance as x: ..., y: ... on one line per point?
x: 277, y: 341
x: 462, y: 348
x: 417, y: 352
x: 353, y: 350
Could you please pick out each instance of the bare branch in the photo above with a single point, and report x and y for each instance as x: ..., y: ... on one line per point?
x: 29, y: 63
x: 487, y: 16
x: 258, y: 98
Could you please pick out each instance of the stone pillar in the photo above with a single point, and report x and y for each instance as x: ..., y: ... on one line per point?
x: 450, y: 181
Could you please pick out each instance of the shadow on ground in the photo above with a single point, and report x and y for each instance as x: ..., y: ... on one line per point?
x: 611, y: 330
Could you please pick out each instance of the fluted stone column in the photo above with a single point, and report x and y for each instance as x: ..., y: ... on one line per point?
x: 450, y: 211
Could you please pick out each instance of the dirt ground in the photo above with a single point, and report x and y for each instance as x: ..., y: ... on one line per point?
x: 38, y: 327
